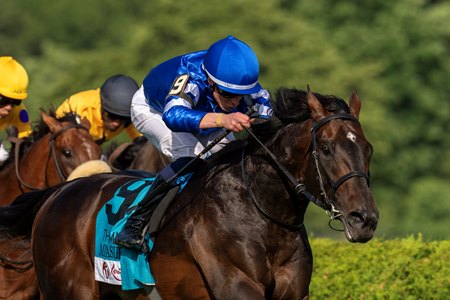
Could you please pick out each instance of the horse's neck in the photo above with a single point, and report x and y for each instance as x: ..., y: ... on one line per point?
x: 290, y: 150
x: 290, y: 147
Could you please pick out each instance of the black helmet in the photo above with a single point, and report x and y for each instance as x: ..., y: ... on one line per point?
x: 117, y: 93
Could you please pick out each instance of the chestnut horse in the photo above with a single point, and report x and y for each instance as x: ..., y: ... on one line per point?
x: 236, y: 230
x: 54, y: 149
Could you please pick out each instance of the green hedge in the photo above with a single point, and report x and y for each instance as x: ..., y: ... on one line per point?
x: 381, y: 269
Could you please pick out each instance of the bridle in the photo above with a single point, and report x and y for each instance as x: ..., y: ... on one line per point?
x: 53, y: 136
x: 300, y: 188
x: 327, y: 203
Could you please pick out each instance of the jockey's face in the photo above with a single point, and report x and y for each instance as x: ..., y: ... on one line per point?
x: 6, y: 105
x: 112, y: 122
x: 227, y: 101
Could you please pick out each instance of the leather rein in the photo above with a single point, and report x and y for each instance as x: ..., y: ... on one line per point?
x: 62, y: 175
x: 300, y: 188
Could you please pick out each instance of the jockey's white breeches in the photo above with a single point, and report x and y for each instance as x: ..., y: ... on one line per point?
x: 149, y: 122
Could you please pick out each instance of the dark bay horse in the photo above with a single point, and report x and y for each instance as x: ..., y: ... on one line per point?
x: 236, y: 231
x: 54, y: 149
x: 132, y: 156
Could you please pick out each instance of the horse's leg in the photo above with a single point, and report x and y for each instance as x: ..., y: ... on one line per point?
x: 241, y: 275
x: 226, y: 281
x: 293, y: 276
x: 177, y: 277
x: 188, y: 264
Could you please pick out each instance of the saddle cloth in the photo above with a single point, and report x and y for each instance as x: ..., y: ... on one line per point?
x: 115, y: 264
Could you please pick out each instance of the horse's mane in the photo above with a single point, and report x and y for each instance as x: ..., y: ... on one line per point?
x: 39, y: 130
x: 290, y: 105
x: 17, y: 218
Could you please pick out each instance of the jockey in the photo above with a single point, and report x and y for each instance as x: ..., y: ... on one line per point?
x: 181, y: 107
x: 13, y: 89
x: 106, y: 108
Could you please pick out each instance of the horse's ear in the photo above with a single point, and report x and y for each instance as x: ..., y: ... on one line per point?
x: 355, y: 104
x: 85, y: 123
x: 51, y: 122
x: 317, y: 110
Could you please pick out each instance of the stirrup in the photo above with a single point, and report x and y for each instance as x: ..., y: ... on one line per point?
x: 138, y: 245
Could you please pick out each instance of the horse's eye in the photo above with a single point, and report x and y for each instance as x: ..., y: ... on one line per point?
x: 67, y: 153
x: 325, y: 149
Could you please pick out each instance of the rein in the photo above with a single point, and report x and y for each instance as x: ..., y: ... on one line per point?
x: 300, y: 188
x: 59, y: 170
x: 293, y: 226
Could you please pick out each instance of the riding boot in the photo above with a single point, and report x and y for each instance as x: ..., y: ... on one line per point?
x: 132, y: 234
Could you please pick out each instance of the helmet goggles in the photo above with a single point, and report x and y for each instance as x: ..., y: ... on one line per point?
x: 224, y: 93
x: 4, y: 101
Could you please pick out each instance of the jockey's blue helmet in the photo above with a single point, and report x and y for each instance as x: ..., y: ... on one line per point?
x: 233, y: 66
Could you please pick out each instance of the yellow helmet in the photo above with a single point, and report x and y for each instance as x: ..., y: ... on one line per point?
x: 13, y: 79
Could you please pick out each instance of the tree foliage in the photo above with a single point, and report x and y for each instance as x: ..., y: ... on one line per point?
x: 394, y: 53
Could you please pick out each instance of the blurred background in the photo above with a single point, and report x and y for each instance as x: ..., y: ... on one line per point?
x: 395, y: 54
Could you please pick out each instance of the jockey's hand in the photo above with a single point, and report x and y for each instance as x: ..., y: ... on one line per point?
x: 236, y: 121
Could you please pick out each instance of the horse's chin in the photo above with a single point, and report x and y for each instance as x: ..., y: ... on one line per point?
x: 356, y: 235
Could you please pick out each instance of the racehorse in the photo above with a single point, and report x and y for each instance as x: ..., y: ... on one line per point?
x: 54, y: 149
x: 17, y: 276
x: 133, y: 156
x: 236, y: 230
x: 149, y: 159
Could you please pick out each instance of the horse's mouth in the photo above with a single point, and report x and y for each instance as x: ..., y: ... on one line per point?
x: 356, y: 234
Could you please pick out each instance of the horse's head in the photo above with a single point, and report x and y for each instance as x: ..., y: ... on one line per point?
x: 71, y: 143
x: 340, y: 156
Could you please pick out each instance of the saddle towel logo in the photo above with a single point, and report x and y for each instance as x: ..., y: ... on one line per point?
x: 114, y: 264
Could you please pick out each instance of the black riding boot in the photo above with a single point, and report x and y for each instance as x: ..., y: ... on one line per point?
x: 132, y: 234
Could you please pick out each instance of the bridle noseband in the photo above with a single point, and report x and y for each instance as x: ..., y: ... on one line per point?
x: 300, y: 188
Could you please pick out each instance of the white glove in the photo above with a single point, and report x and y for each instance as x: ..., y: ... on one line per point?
x: 3, y: 153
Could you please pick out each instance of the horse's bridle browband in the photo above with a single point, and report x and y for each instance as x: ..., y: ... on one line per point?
x: 300, y: 188
x: 52, y: 139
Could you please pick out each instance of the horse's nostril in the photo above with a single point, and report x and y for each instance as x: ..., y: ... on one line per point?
x: 363, y: 219
x: 356, y: 218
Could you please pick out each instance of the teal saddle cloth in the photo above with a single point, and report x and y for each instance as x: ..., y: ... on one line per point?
x: 115, y: 264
